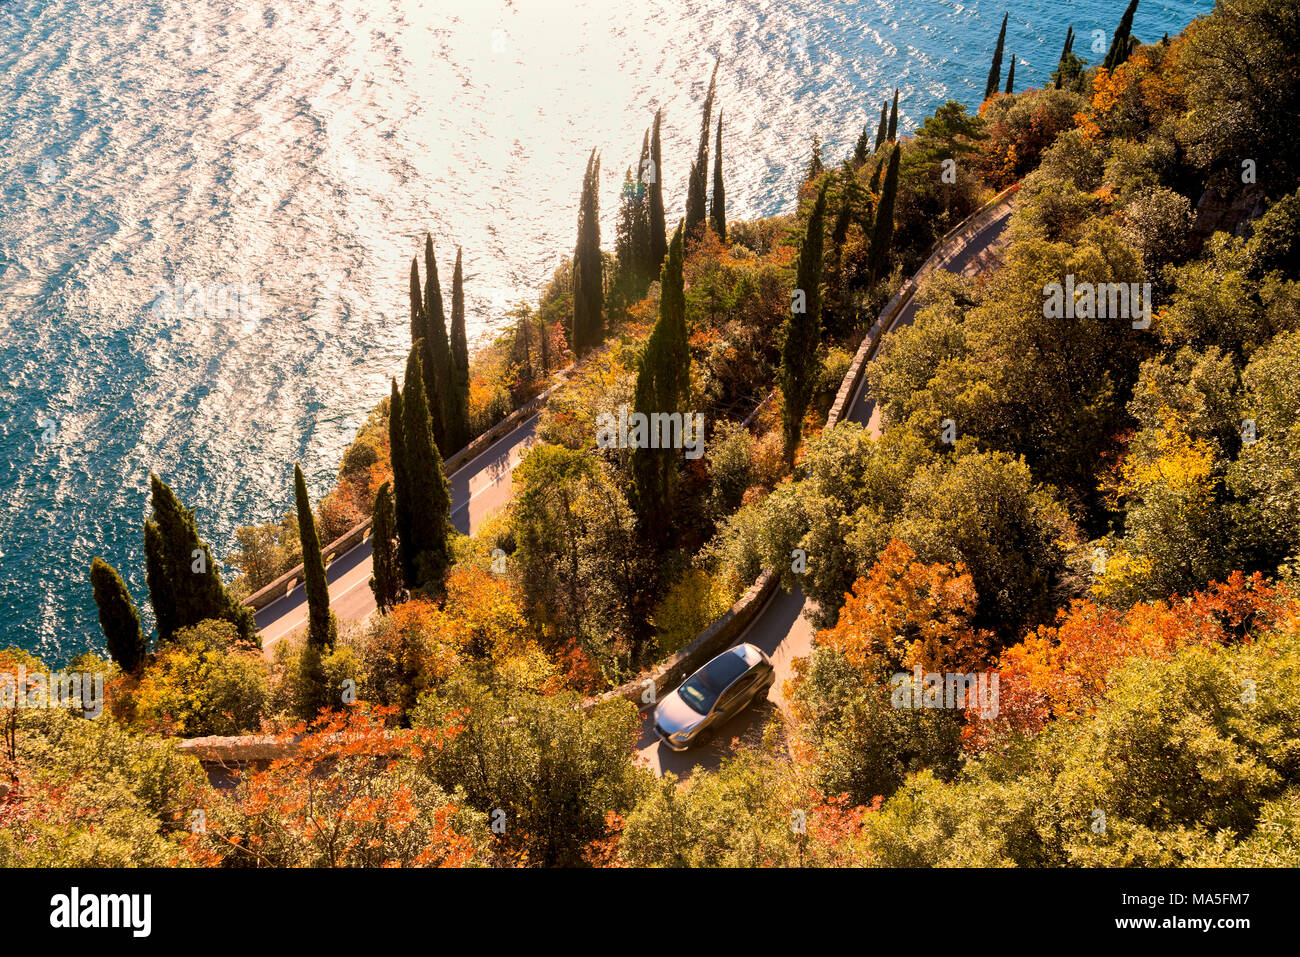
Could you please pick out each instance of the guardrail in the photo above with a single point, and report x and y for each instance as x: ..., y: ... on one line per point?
x: 732, y: 623
x: 361, y: 531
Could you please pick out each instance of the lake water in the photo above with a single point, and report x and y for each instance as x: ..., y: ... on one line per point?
x: 279, y: 162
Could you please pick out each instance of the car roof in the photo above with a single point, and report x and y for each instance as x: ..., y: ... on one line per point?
x: 727, y: 667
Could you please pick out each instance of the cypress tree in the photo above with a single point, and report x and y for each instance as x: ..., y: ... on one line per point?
x: 458, y: 428
x: 386, y: 562
x: 995, y: 70
x: 322, y: 629
x: 878, y: 259
x: 190, y: 588
x: 1060, y: 64
x: 161, y: 593
x: 658, y: 228
x: 588, y: 269
x: 662, y: 383
x: 418, y: 330
x: 1119, y: 43
x: 436, y: 360
x: 815, y: 165
x: 1011, y: 74
x: 803, y: 329
x: 884, y: 124
x: 430, y: 498
x: 118, y: 617
x: 642, y: 245
x: 718, y: 211
x: 695, y: 187
x: 859, y: 148
x: 893, y: 119
x: 401, y: 482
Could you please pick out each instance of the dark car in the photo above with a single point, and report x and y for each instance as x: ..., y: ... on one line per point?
x: 713, y: 695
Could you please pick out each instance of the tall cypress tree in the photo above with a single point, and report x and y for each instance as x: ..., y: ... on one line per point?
x: 158, y: 579
x: 322, y: 628
x: 386, y: 561
x: 893, y: 118
x: 419, y: 332
x: 1060, y: 64
x: 1119, y: 43
x: 884, y: 124
x: 458, y: 429
x: 118, y: 617
x: 401, y: 481
x: 436, y: 360
x: 803, y: 329
x: 662, y: 383
x: 696, y: 185
x: 1011, y: 74
x: 190, y: 588
x: 658, y: 227
x: 860, y: 147
x: 995, y: 70
x: 588, y: 269
x: 430, y: 497
x: 878, y: 258
x: 718, y: 210
x: 642, y: 244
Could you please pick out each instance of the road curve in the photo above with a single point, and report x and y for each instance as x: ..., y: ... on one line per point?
x: 478, y: 488
x: 781, y: 628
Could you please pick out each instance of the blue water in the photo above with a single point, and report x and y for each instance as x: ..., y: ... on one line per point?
x: 292, y: 153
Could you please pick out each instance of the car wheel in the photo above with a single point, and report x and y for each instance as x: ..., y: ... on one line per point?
x: 703, y: 739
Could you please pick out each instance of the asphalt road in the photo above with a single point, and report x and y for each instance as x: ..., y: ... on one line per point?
x: 478, y: 488
x: 781, y: 628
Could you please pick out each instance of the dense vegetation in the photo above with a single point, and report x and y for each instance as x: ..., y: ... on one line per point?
x: 1102, y: 512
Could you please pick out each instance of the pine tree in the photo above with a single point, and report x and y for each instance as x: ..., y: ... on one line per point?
x: 386, y: 562
x: 878, y: 259
x: 893, y: 119
x: 658, y: 227
x: 458, y: 428
x: 401, y: 482
x: 695, y: 187
x: 662, y: 384
x: 430, y: 497
x: 1011, y: 74
x: 322, y: 628
x: 803, y: 329
x: 995, y: 71
x: 884, y: 125
x: 718, y: 210
x: 436, y: 360
x: 1119, y: 43
x: 190, y: 589
x: 118, y: 617
x: 588, y: 269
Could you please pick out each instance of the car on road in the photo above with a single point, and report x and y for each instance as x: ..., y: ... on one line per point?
x: 713, y: 695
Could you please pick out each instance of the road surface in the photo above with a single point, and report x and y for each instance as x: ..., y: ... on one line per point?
x: 478, y: 488
x: 781, y: 628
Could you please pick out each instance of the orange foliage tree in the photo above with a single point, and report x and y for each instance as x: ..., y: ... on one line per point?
x: 1063, y: 670
x: 907, y: 613
x: 350, y: 795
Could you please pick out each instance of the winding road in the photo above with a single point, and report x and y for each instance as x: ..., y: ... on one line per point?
x: 478, y: 488
x: 483, y: 485
x: 781, y: 628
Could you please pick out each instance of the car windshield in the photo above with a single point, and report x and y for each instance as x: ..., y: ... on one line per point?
x: 701, y: 690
